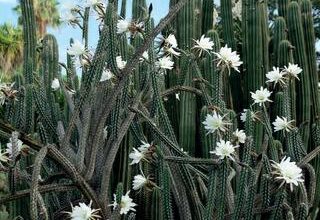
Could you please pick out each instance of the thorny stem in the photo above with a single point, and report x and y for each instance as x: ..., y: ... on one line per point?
x: 124, y: 74
x: 54, y: 154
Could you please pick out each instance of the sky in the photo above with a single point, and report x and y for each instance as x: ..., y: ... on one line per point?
x: 65, y: 32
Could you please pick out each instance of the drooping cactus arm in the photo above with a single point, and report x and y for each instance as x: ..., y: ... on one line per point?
x: 124, y: 73
x: 54, y: 154
x: 54, y: 187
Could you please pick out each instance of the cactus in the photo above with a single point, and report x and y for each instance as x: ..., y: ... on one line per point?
x: 279, y: 35
x: 303, y: 92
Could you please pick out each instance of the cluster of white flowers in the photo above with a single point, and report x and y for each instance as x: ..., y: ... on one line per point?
x: 276, y: 76
x: 84, y: 212
x: 293, y: 70
x: 126, y: 204
x: 288, y: 172
x: 169, y: 48
x: 138, y: 154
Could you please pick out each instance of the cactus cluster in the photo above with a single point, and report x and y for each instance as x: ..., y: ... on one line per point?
x: 185, y: 119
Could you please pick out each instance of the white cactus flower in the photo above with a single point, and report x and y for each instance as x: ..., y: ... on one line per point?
x: 177, y: 96
x: 55, y: 85
x: 243, y: 115
x: 144, y: 147
x: 105, y: 132
x: 170, y: 45
x: 171, y: 50
x: 145, y: 56
x: 126, y: 204
x: 237, y: 10
x: 136, y: 156
x: 275, y: 76
x: 171, y: 41
x: 228, y: 58
x: 224, y: 149
x: 123, y: 26
x: 282, y: 124
x: 69, y: 18
x: 120, y: 62
x: 293, y: 70
x: 261, y: 96
x: 76, y: 49
x: 84, y: 212
x: 215, y: 17
x: 139, y: 181
x: 288, y: 172
x: 106, y: 75
x: 215, y: 122
x: 240, y: 136
x: 10, y: 150
x: 203, y: 44
x: 165, y: 63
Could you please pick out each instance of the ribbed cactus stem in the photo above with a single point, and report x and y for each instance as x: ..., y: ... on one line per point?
x: 222, y: 187
x: 280, y: 33
x: 309, y: 39
x: 186, y: 32
x: 283, y: 7
x: 304, y: 92
x: 285, y: 57
x: 207, y: 17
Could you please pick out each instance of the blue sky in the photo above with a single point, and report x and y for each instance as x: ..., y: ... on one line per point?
x: 65, y: 32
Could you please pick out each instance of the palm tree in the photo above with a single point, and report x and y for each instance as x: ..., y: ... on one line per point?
x: 11, y: 45
x: 46, y: 14
x: 11, y: 38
